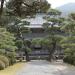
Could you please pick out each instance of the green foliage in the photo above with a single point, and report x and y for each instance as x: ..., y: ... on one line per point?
x: 69, y: 55
x: 68, y: 42
x: 41, y: 6
x: 25, y: 30
x: 5, y: 60
x: 36, y: 41
x: 17, y: 26
x: 53, y: 12
x: 24, y: 7
x: 28, y: 49
x: 69, y: 27
x: 7, y: 40
x: 46, y: 42
x: 2, y: 65
x: 72, y: 16
x: 52, y: 27
x: 7, y: 44
x: 19, y: 43
x: 12, y: 59
x: 56, y: 20
x: 27, y: 43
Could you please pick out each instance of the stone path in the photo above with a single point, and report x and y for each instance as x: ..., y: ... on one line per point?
x: 42, y: 67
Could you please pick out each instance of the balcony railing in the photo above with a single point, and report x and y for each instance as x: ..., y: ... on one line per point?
x: 34, y: 35
x: 39, y: 35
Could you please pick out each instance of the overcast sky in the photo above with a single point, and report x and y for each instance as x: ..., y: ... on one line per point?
x: 57, y: 3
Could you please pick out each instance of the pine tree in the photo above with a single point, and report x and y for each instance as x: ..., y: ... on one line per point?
x: 52, y: 26
x: 68, y: 42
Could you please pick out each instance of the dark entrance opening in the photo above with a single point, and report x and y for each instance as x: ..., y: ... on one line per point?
x: 38, y: 53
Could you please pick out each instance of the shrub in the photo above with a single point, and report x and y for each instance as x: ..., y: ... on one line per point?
x: 12, y: 58
x: 74, y: 63
x: 68, y: 59
x: 5, y: 60
x: 2, y: 65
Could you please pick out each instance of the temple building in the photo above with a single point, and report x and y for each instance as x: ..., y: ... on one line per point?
x: 37, y: 32
x: 36, y: 26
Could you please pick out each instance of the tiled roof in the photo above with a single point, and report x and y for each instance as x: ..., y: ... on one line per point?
x: 38, y: 20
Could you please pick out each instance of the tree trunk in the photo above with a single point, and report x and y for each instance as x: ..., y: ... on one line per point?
x: 21, y: 36
x: 1, y: 9
x: 27, y: 56
x: 52, y: 51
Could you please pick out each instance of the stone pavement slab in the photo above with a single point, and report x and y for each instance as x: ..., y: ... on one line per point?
x: 42, y: 67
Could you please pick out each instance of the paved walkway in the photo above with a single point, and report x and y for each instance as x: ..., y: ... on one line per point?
x: 42, y: 67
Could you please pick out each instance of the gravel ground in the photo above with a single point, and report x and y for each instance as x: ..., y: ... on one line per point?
x: 42, y: 67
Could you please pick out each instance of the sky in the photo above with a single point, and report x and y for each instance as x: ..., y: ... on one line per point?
x: 57, y: 3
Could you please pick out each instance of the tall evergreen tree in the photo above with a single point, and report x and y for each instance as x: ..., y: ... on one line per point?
x: 68, y: 42
x: 53, y: 27
x: 27, y: 7
x: 1, y: 7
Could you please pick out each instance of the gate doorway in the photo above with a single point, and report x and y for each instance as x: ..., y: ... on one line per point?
x: 38, y: 53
